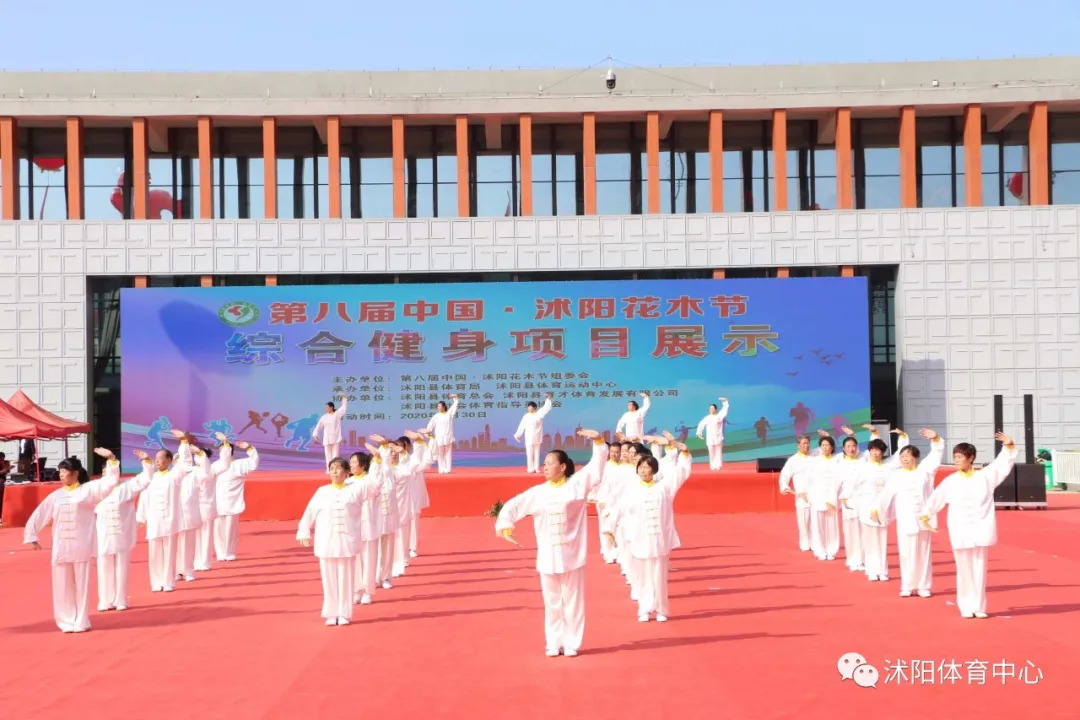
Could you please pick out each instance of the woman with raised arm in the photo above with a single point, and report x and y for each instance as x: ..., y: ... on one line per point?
x: 558, y: 509
x: 858, y: 493
x: 441, y: 425
x: 160, y: 509
x: 334, y: 511
x: 823, y: 492
x: 230, y: 502
x: 632, y: 422
x: 70, y: 510
x: 969, y: 493
x: 208, y: 477
x: 907, y: 490
x: 330, y: 427
x: 370, y: 530
x: 421, y: 500
x: 647, y: 515
x: 531, y: 430
x: 391, y: 476
x: 116, y: 538
x: 711, y: 430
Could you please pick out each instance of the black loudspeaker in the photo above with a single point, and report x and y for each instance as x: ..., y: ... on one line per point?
x: 774, y: 464
x: 1005, y: 493
x: 1029, y: 429
x: 999, y: 421
x: 1030, y: 485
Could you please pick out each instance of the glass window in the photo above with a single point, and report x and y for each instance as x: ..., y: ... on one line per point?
x: 1065, y: 158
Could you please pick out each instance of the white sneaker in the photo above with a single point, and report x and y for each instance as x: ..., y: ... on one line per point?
x: 343, y: 621
x: 412, y: 553
x: 661, y: 618
x: 872, y: 578
x: 570, y: 653
x: 924, y: 593
x: 905, y: 593
x: 104, y: 608
x: 883, y: 578
x: 189, y: 578
x: 386, y: 585
x: 967, y: 616
x: 168, y: 589
x: 331, y: 622
x: 121, y: 608
x: 981, y: 616
x: 551, y: 653
x: 365, y: 600
x: 830, y: 557
x: 204, y: 568
x: 643, y: 618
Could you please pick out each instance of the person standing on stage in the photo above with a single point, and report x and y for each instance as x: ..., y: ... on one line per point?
x: 862, y: 495
x: 160, y: 509
x: 632, y: 422
x: 795, y: 480
x: 558, y: 508
x: 908, y: 489
x: 116, y: 538
x: 712, y: 425
x: 209, y: 476
x: 441, y: 425
x: 330, y: 426
x: 824, y: 496
x: 335, y: 511
x: 70, y: 510
x: 532, y: 428
x: 230, y: 502
x: 969, y: 493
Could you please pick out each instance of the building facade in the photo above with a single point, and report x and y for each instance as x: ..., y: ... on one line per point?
x: 954, y: 186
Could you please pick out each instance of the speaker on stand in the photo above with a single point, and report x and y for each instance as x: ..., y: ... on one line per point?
x: 1005, y: 494
x: 1030, y: 477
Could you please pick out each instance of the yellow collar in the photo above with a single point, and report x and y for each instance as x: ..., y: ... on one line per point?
x: 802, y: 454
x: 850, y: 459
x: 966, y: 474
x: 648, y: 483
x: 358, y: 476
x: 557, y: 483
x: 69, y: 488
x: 337, y: 486
x: 827, y: 457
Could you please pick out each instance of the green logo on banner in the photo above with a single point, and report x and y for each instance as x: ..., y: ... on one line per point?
x: 238, y: 314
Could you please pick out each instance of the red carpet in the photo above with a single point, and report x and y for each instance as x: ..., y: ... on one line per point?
x: 469, y: 492
x: 756, y: 631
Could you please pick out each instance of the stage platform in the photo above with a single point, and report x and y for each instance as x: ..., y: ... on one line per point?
x: 471, y: 492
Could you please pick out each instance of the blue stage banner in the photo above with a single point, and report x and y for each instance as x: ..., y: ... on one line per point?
x: 259, y: 363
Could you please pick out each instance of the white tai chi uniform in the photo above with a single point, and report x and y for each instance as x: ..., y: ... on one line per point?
x: 191, y: 488
x: 795, y: 476
x: 420, y: 498
x: 335, y: 511
x: 647, y: 514
x: 159, y: 508
x: 531, y: 428
x: 441, y: 425
x: 116, y: 539
x: 862, y: 495
x: 848, y: 468
x: 712, y: 425
x: 972, y: 525
x: 366, y: 568
x: 404, y: 486
x: 230, y: 504
x: 632, y: 422
x: 330, y: 425
x: 558, y: 509
x: 71, y: 512
x: 207, y: 490
x: 906, y: 492
x: 824, y: 496
x: 602, y: 496
x: 386, y: 505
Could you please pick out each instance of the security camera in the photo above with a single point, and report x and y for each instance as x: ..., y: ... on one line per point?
x: 609, y: 79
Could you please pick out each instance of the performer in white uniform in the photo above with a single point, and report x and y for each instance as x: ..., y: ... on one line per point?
x: 870, y: 480
x: 531, y: 428
x: 441, y: 425
x: 558, y: 508
x: 795, y: 480
x: 421, y: 500
x: 824, y: 496
x: 632, y: 422
x: 712, y: 425
x: 116, y: 539
x: 159, y: 508
x: 70, y: 510
x: 370, y: 530
x: 334, y: 511
x: 207, y: 489
x: 230, y: 502
x: 969, y: 494
x: 908, y: 488
x: 647, y: 512
x: 330, y: 425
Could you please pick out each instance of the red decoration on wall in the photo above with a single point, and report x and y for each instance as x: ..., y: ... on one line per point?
x: 49, y: 164
x: 1016, y: 185
x: 159, y: 201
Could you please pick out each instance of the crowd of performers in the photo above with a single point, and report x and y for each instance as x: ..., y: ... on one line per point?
x: 363, y: 525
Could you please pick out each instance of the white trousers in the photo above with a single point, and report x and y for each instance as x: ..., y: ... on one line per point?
x: 802, y: 517
x: 853, y: 543
x: 824, y: 534
x: 330, y: 450
x: 71, y: 596
x: 401, y: 549
x: 162, y: 563
x: 564, y: 609
x: 532, y: 457
x: 185, y: 552
x: 716, y: 458
x: 916, y: 571
x: 204, y: 540
x: 112, y: 579
x: 337, y: 587
x: 414, y: 532
x: 386, y: 557
x: 444, y: 456
x: 226, y: 531
x: 875, y: 542
x: 652, y: 579
x: 367, y: 566
x: 971, y: 580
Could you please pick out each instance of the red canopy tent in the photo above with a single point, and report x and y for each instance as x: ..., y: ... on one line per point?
x: 17, y: 425
x: 21, y: 402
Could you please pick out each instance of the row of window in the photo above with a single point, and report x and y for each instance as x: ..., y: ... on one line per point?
x: 494, y: 172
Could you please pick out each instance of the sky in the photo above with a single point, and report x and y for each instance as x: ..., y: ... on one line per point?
x: 243, y: 35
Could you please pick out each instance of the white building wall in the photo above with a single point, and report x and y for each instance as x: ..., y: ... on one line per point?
x: 987, y: 299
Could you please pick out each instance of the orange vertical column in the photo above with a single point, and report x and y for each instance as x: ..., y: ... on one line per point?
x: 269, y: 126
x: 779, y: 153
x: 716, y: 160
x: 525, y: 127
x: 844, y: 199
x: 973, y: 156
x: 652, y: 152
x: 1039, y: 156
x: 206, y: 169
x: 463, y: 205
x: 333, y: 164
x: 9, y: 168
x: 909, y: 195
x: 140, y: 167
x: 397, y: 128
x: 74, y: 164
x: 588, y: 157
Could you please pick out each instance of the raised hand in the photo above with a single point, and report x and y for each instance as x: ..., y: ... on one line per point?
x: 104, y: 452
x: 846, y: 430
x: 823, y: 433
x: 867, y: 426
x: 929, y: 434
x: 222, y: 438
x: 668, y: 435
x: 243, y: 445
x: 591, y: 434
x: 178, y: 434
x: 141, y: 454
x: 374, y: 451
x: 680, y: 446
x: 723, y: 399
x: 897, y: 431
x: 378, y: 438
x: 1003, y: 438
